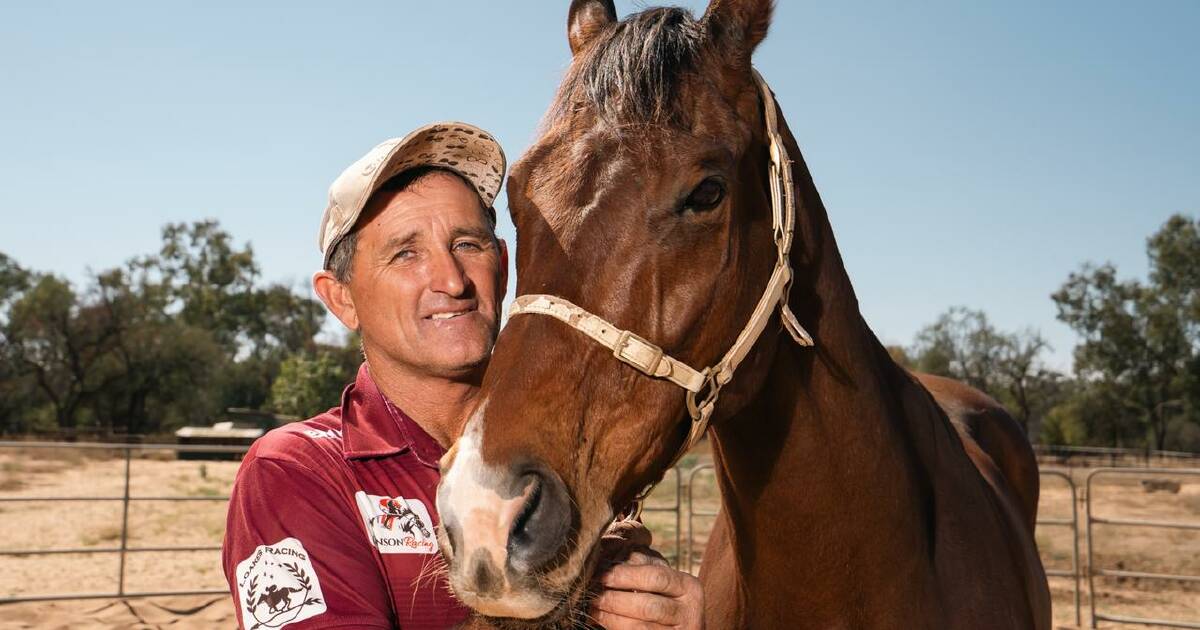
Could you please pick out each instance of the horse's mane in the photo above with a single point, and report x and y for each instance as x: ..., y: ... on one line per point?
x: 631, y: 73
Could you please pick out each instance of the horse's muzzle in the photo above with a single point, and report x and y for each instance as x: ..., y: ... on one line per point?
x: 503, y: 530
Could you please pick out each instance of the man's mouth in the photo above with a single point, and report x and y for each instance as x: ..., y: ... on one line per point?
x: 449, y: 314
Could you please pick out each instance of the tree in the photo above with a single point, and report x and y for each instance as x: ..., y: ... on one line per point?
x: 1026, y: 385
x: 210, y: 284
x: 962, y: 344
x: 309, y: 384
x: 213, y: 286
x: 169, y: 338
x: 1089, y: 415
x: 17, y: 392
x: 58, y: 342
x: 1140, y: 340
x: 160, y: 372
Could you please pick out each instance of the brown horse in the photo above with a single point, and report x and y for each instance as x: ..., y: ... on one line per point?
x: 851, y: 499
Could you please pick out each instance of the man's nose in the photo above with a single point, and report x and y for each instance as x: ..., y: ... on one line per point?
x: 447, y: 275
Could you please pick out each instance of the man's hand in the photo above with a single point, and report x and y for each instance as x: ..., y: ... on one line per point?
x: 644, y: 592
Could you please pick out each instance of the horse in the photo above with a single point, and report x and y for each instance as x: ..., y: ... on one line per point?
x: 666, y: 219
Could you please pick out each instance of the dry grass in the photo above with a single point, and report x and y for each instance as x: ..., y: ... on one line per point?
x: 106, y: 534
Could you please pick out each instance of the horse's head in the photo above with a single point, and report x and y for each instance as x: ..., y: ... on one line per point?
x: 646, y: 201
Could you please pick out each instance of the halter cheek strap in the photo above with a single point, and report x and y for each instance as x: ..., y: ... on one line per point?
x: 703, y: 387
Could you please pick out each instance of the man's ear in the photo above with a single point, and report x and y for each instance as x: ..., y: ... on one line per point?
x: 585, y: 19
x: 336, y: 297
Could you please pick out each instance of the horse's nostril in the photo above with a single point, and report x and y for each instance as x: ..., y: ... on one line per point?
x: 540, y: 529
x: 520, y: 535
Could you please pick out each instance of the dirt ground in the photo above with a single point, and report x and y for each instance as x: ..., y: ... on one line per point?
x: 95, y: 524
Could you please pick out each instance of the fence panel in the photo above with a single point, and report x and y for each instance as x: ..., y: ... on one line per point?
x: 676, y: 508
x: 693, y: 512
x: 1071, y: 522
x: 1093, y: 571
x: 123, y: 549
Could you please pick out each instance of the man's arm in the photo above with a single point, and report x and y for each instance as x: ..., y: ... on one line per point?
x: 295, y: 555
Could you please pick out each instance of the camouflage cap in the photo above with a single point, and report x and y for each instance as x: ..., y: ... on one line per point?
x: 462, y: 148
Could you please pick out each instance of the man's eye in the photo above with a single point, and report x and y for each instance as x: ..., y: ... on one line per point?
x: 708, y: 195
x: 403, y: 254
x: 469, y: 246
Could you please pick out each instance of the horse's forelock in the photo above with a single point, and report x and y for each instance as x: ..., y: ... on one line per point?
x: 631, y: 74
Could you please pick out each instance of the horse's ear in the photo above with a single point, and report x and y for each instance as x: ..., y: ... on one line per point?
x: 587, y: 18
x: 744, y: 23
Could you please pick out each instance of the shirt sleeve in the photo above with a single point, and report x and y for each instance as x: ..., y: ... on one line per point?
x: 295, y: 554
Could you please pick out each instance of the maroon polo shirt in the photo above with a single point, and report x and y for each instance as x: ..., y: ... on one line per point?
x: 331, y: 523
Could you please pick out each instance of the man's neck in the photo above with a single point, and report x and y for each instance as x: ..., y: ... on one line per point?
x: 437, y: 404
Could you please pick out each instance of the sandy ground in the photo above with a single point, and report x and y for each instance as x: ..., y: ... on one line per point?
x: 184, y: 613
x: 95, y: 524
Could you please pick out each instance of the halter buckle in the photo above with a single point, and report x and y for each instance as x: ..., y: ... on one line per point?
x: 637, y: 352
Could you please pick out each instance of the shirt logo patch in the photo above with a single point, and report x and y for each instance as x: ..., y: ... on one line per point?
x: 396, y: 524
x: 328, y: 434
x: 277, y: 586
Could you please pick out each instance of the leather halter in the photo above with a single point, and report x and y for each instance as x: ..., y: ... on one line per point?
x: 702, y: 386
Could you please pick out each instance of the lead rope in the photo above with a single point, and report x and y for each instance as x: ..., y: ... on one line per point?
x: 703, y: 386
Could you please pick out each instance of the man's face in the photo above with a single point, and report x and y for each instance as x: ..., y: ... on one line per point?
x: 428, y: 278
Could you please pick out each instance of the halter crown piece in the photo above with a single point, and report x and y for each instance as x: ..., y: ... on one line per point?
x: 703, y: 386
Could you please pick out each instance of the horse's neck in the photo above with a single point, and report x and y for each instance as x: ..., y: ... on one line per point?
x: 821, y: 470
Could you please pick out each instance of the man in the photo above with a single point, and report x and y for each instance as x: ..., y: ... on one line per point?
x: 331, y: 521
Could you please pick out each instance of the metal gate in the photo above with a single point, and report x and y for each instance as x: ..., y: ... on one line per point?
x: 1093, y: 571
x: 1073, y: 524
x: 123, y: 548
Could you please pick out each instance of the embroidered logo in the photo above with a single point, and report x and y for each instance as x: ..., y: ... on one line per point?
x: 277, y: 586
x: 396, y: 524
x: 327, y: 434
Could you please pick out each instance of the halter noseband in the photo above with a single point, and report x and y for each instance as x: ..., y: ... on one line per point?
x: 703, y: 386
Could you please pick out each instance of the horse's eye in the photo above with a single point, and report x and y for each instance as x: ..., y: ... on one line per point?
x: 706, y: 196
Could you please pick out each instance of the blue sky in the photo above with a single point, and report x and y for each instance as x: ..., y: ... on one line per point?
x: 969, y: 153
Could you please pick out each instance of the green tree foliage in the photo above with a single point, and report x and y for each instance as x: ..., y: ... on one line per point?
x: 160, y: 371
x: 962, y: 344
x: 16, y: 387
x: 1089, y: 416
x: 168, y: 339
x: 214, y: 286
x: 59, y: 343
x: 1140, y: 346
x: 309, y: 384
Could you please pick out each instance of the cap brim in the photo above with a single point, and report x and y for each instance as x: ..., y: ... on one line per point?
x: 465, y: 149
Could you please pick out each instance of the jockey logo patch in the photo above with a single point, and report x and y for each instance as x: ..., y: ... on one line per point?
x: 277, y: 586
x: 396, y: 524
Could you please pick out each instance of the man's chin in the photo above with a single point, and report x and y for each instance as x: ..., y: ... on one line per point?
x: 463, y: 364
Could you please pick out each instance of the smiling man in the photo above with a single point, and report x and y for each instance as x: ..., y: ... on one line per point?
x: 332, y: 521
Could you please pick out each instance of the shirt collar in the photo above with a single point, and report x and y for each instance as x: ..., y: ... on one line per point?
x: 374, y: 427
